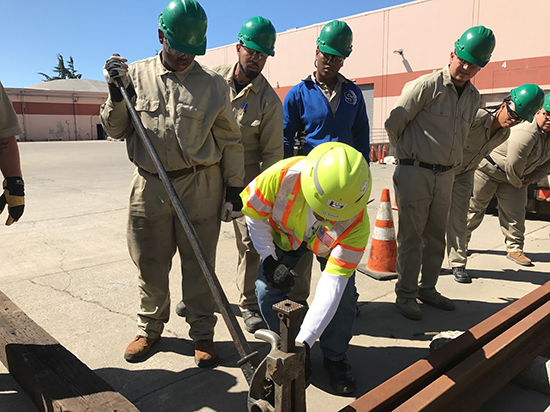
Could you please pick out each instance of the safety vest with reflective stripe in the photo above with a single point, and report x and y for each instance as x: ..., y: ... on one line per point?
x: 276, y: 195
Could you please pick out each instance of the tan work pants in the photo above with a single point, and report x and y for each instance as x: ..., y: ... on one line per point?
x: 423, y: 201
x: 488, y: 181
x: 155, y: 232
x: 249, y: 260
x: 457, y: 238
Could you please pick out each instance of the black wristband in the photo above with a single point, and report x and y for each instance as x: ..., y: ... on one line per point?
x: 116, y: 95
x: 232, y: 194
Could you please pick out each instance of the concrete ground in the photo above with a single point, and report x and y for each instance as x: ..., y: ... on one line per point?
x: 66, y: 265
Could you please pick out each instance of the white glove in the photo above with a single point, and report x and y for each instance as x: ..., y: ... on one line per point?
x: 116, y: 67
x: 228, y: 214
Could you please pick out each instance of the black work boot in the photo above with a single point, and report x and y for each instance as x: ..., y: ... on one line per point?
x: 342, y: 379
x: 253, y: 320
x: 181, y: 309
x: 461, y: 276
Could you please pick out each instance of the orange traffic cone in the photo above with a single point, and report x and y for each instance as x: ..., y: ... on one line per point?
x: 394, y: 206
x: 383, y: 249
x: 383, y: 156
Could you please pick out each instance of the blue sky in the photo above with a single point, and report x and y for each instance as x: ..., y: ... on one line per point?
x: 33, y: 32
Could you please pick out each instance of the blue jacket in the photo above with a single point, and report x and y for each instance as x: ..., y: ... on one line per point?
x: 307, y: 111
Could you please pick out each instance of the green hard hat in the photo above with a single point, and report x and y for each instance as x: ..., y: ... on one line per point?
x: 184, y: 24
x: 528, y: 99
x: 257, y: 33
x: 335, y: 38
x: 546, y: 105
x: 336, y: 181
x: 476, y: 45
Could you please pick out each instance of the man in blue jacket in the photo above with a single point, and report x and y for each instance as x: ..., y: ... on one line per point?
x: 326, y: 106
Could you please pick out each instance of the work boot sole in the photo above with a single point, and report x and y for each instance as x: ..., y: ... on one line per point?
x: 212, y: 363
x: 345, y: 390
x: 409, y: 315
x: 253, y: 329
x: 465, y: 279
x: 140, y: 358
x: 442, y: 306
x: 518, y: 262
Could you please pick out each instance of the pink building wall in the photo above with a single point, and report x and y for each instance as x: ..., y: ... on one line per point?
x: 57, y: 114
x: 426, y: 31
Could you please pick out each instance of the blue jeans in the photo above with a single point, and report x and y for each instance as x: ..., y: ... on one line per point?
x: 335, y: 339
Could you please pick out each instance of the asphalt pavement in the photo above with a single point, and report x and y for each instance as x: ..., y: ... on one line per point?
x: 66, y: 265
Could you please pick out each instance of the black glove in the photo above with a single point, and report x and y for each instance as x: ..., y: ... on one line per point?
x: 232, y: 195
x: 308, y: 365
x: 277, y: 274
x: 14, y: 197
x: 114, y: 68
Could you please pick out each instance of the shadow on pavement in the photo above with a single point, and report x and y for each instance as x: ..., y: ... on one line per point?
x: 382, y: 319
x: 540, y: 257
x: 12, y: 397
x: 189, y: 390
x: 519, y: 275
x: 203, y: 387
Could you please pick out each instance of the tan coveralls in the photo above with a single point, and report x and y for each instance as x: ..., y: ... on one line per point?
x: 428, y: 124
x: 261, y: 125
x: 188, y: 118
x: 479, y: 143
x: 526, y: 152
x: 9, y: 125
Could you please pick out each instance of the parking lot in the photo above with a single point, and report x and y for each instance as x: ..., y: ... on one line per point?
x: 66, y: 265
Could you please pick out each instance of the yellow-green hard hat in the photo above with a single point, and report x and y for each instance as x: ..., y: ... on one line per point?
x: 336, y: 181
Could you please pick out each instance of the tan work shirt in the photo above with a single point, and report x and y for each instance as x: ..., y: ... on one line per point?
x: 9, y: 125
x: 333, y: 96
x: 259, y: 114
x: 479, y: 142
x: 429, y: 122
x: 526, y: 152
x: 187, y: 116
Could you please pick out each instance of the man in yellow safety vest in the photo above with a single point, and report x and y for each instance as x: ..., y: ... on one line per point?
x: 315, y: 203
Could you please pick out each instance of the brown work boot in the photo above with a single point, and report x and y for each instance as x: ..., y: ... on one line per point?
x: 520, y: 258
x: 206, y: 355
x: 138, y: 349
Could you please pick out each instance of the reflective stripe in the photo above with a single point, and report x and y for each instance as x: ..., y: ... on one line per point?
x: 256, y: 200
x: 347, y: 254
x: 284, y: 201
x: 349, y: 225
x: 316, y: 246
x: 341, y: 263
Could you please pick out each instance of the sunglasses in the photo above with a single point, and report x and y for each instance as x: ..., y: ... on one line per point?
x: 254, y: 54
x: 512, y: 114
x: 331, y: 58
x: 173, y: 52
x: 464, y: 63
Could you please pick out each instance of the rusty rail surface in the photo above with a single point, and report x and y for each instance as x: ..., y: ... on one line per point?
x: 405, y: 385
